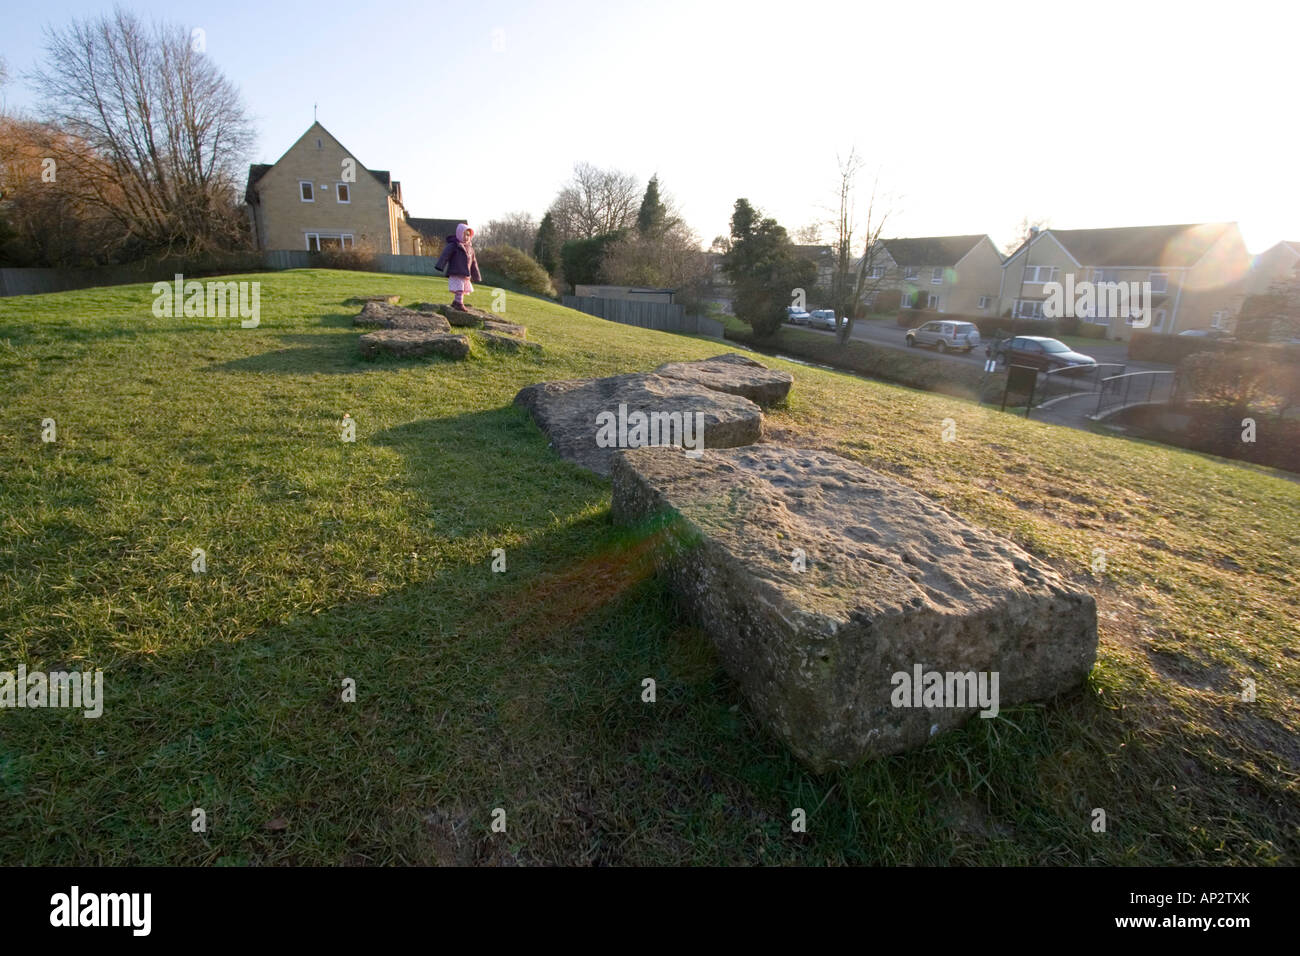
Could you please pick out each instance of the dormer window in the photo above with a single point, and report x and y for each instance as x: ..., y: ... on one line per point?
x: 306, y: 192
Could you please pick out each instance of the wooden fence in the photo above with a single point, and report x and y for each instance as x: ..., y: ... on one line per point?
x: 646, y: 315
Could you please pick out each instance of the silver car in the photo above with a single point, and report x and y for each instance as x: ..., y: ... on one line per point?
x: 823, y: 319
x: 960, y: 336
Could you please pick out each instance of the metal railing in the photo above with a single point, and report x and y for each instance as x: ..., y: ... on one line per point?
x: 1134, y: 388
x: 1074, y: 380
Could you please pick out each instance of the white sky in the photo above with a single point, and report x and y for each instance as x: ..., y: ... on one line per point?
x: 1089, y: 114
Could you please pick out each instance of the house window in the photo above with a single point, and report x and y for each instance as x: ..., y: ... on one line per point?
x: 1029, y: 309
x: 984, y: 303
x: 877, y: 272
x: 937, y: 276
x: 318, y: 146
x: 1037, y: 274
x: 1107, y: 275
x: 1159, y: 281
x: 345, y: 194
x: 911, y: 272
x: 1219, y: 320
x: 907, y: 299
x: 933, y: 302
x: 306, y: 192
x: 317, y: 242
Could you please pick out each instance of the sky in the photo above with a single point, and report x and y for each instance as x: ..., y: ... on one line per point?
x: 969, y: 117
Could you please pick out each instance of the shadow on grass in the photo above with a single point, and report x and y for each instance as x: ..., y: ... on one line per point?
x: 321, y: 353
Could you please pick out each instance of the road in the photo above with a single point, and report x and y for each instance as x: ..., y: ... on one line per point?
x: 886, y: 333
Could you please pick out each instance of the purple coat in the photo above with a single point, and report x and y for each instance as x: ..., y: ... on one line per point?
x: 458, y: 259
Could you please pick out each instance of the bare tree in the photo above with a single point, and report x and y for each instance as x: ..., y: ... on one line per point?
x: 1026, y: 228
x: 595, y: 202
x: 810, y: 234
x: 518, y: 229
x: 853, y: 280
x: 164, y: 133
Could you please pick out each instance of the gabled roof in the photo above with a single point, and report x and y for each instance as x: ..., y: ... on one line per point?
x: 1174, y: 246
x: 257, y: 170
x: 434, y: 228
x: 931, y: 250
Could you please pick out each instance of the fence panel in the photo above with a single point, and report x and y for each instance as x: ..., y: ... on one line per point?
x: 662, y: 316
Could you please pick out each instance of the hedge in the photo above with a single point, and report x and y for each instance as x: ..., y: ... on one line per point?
x: 1155, y: 347
x: 1217, y: 431
x: 913, y: 369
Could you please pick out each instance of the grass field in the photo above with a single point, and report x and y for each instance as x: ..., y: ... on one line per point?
x: 371, y: 560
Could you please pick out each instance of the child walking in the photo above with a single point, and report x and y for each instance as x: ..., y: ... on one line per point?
x: 459, y: 264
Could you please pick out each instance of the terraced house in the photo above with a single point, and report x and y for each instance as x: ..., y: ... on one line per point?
x: 318, y: 196
x: 1198, y: 273
x: 955, y: 274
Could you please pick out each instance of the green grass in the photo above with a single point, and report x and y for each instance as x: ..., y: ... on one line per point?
x: 521, y: 690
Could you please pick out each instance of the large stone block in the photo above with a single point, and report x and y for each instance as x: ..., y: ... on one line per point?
x: 381, y: 315
x: 735, y: 375
x: 409, y: 343
x: 581, y: 417
x: 893, y: 589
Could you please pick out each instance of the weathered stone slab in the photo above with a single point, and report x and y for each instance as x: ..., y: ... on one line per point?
x: 468, y: 317
x: 504, y: 328
x: 735, y: 375
x: 383, y: 316
x: 582, y: 418
x: 894, y: 588
x: 509, y: 343
x: 407, y: 343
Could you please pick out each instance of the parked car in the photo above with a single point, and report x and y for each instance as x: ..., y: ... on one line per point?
x: 1038, y: 352
x: 962, y: 336
x: 1217, y: 334
x: 823, y: 319
x: 796, y: 316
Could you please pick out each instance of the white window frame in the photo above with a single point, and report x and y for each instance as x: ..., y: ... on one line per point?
x: 1219, y: 319
x: 1163, y: 287
x: 911, y: 272
x: 311, y: 188
x: 906, y: 301
x: 340, y: 189
x: 1037, y: 272
x: 346, y: 240
x: 1105, y: 275
x: 932, y: 302
x: 1035, y: 312
x: 876, y: 272
x: 984, y: 303
x: 936, y: 277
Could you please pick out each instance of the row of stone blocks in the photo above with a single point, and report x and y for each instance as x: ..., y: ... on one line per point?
x: 859, y: 618
x: 426, y: 330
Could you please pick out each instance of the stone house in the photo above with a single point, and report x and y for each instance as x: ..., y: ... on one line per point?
x: 1197, y: 273
x: 318, y: 196
x: 954, y: 274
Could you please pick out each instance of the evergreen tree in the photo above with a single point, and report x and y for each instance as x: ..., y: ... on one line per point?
x: 546, y: 245
x: 653, y: 215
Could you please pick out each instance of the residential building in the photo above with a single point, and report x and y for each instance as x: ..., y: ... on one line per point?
x: 1197, y: 273
x: 317, y: 196
x: 1276, y: 262
x: 953, y: 274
